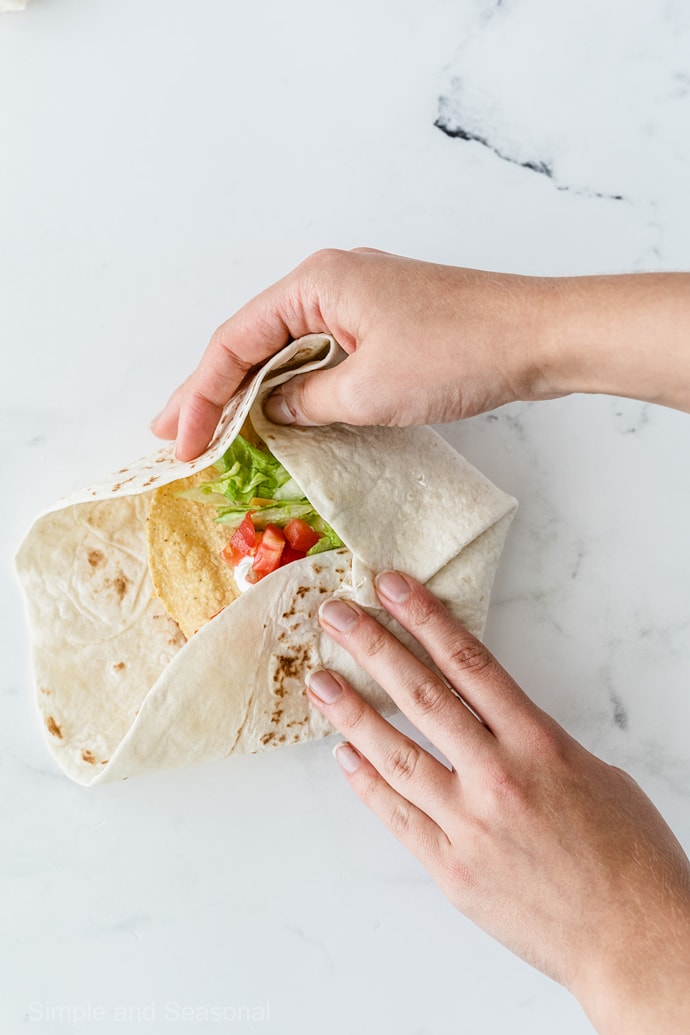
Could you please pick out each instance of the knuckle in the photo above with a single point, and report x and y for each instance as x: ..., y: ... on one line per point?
x: 624, y: 776
x: 402, y: 762
x: 301, y: 393
x: 399, y: 820
x: 428, y: 696
x: 422, y: 608
x: 503, y: 789
x: 470, y: 655
x: 217, y: 339
x: 322, y: 259
x: 353, y: 715
x: 198, y: 402
x: 367, y: 787
x: 374, y: 642
x: 459, y: 879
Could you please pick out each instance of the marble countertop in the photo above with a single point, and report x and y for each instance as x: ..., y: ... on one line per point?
x: 161, y: 163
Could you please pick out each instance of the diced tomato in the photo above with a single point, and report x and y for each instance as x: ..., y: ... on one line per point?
x: 300, y: 535
x: 244, y: 536
x: 231, y: 556
x: 291, y: 554
x: 271, y: 548
x: 243, y: 542
x: 268, y: 553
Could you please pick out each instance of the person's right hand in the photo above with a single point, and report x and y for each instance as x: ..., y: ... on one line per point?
x: 427, y: 343
x: 555, y: 853
x: 430, y: 343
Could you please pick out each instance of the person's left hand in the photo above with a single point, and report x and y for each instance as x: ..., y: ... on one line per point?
x: 552, y: 851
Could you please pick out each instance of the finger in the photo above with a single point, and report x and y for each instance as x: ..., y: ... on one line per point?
x: 409, y: 824
x: 321, y: 397
x: 461, y: 657
x: 165, y: 424
x: 206, y: 392
x: 424, y: 698
x: 260, y: 329
x: 405, y: 766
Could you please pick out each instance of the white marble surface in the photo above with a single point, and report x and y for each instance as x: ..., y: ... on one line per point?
x: 161, y: 162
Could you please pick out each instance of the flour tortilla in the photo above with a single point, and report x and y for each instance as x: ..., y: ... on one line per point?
x: 121, y: 691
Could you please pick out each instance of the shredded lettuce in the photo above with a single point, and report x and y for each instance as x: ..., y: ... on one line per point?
x: 274, y: 513
x: 247, y: 473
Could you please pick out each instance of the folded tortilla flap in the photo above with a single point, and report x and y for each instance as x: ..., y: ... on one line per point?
x: 216, y: 697
x: 399, y: 498
x: 312, y: 352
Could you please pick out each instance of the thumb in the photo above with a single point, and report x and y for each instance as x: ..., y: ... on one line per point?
x: 322, y: 397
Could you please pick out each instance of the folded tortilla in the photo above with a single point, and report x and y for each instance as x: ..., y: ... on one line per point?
x: 120, y: 689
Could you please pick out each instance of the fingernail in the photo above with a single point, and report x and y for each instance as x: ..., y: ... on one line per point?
x: 156, y: 418
x: 325, y: 686
x: 277, y: 409
x: 339, y: 614
x: 346, y: 757
x: 395, y: 587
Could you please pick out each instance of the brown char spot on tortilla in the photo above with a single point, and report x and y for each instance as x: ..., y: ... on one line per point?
x: 118, y: 667
x: 288, y: 666
x: 275, y: 718
x: 53, y: 727
x: 88, y: 757
x: 95, y: 558
x: 120, y: 584
x: 267, y: 738
x: 45, y: 690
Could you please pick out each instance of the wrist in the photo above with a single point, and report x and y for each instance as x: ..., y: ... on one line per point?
x: 641, y: 988
x: 623, y: 335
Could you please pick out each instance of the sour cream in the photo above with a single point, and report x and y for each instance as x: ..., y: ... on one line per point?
x: 240, y: 572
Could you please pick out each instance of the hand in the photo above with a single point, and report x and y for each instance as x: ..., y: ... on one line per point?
x: 552, y: 851
x: 430, y: 343
x: 426, y: 343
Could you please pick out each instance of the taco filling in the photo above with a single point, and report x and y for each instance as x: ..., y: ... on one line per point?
x: 254, y: 519
x: 270, y: 521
